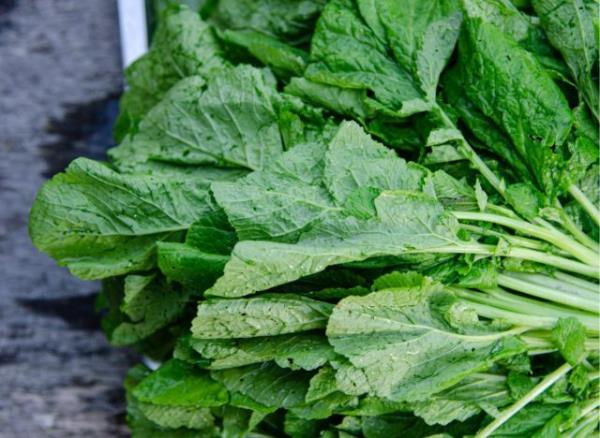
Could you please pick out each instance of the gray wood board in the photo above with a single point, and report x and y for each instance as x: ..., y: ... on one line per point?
x: 60, y: 78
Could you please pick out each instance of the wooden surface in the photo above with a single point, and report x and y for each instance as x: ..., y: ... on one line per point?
x: 60, y: 78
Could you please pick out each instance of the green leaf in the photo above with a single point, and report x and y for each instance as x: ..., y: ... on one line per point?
x: 354, y: 161
x: 183, y: 46
x: 148, y: 304
x: 405, y: 221
x: 281, y: 201
x: 237, y: 423
x: 265, y: 315
x: 396, y: 341
x: 481, y: 196
x: 159, y: 421
x: 212, y: 125
x: 306, y: 351
x: 297, y: 427
x: 489, y: 136
x: 522, y: 28
x: 585, y: 125
x: 397, y: 279
x: 529, y: 420
x: 199, y: 261
x: 256, y: 383
x: 349, y: 33
x: 177, y: 383
x: 283, y: 59
x: 291, y: 20
x: 288, y: 202
x: 569, y: 25
x: 508, y: 85
x: 99, y: 223
x: 345, y: 101
x: 569, y: 336
x: 341, y: 43
x: 475, y: 393
x: 525, y: 199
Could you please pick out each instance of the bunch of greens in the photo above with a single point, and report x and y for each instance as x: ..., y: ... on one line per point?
x: 353, y: 218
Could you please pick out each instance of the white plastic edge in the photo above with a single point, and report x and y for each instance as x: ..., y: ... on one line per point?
x: 133, y: 29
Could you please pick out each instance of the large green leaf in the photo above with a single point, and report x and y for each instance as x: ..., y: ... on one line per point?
x: 403, y: 222
x: 289, y: 203
x: 306, y: 351
x: 508, y: 85
x: 265, y: 315
x: 231, y: 123
x: 524, y: 29
x: 481, y: 391
x: 149, y: 420
x: 199, y: 261
x: 569, y: 25
x: 257, y: 383
x: 291, y: 20
x: 406, y: 344
x: 355, y: 161
x: 140, y: 305
x: 176, y: 383
x: 182, y: 46
x: 100, y: 223
x: 281, y: 201
x: 283, y: 59
x: 394, y: 51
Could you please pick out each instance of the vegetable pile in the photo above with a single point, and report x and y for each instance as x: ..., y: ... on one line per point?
x: 350, y: 218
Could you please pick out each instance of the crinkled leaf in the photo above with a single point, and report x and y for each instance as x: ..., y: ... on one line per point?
x: 508, y: 85
x: 148, y: 304
x: 281, y: 201
x: 396, y: 341
x: 341, y: 44
x: 472, y: 395
x: 256, y: 383
x: 182, y: 46
x: 265, y: 315
x: 290, y: 20
x: 306, y: 351
x: 199, y: 261
x: 283, y: 59
x: 569, y: 25
x: 100, y: 223
x: 232, y: 123
x: 405, y: 221
x: 354, y: 160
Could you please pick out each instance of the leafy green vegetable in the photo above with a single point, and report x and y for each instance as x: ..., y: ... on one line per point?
x: 183, y: 46
x: 490, y: 62
x: 349, y: 219
x: 395, y: 337
x: 212, y: 127
x: 570, y: 28
x: 100, y: 223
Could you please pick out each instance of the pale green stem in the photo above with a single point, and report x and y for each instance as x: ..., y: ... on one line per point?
x: 520, y: 253
x: 546, y: 293
x: 508, y: 413
x: 549, y: 282
x: 593, y: 418
x: 552, y: 236
x: 572, y: 228
x: 579, y: 282
x: 469, y: 153
x: 587, y: 205
x: 525, y: 305
x: 523, y: 242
